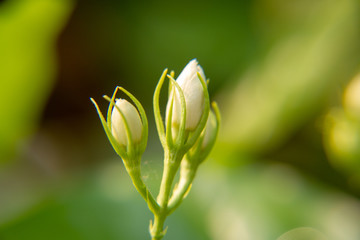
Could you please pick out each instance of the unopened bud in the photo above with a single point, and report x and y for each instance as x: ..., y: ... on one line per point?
x: 206, y: 141
x: 118, y: 126
x: 193, y: 91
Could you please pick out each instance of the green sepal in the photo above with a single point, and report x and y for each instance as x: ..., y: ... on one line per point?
x: 118, y: 149
x: 169, y: 139
x: 110, y: 108
x: 180, y: 138
x: 157, y: 113
x: 172, y: 74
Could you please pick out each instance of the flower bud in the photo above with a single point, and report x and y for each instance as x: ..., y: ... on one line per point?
x: 193, y: 91
x: 118, y: 127
x: 206, y: 141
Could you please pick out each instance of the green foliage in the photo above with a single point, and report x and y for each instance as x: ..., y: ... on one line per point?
x: 255, y: 202
x: 28, y: 32
x: 279, y: 66
x: 303, y: 234
x: 292, y: 83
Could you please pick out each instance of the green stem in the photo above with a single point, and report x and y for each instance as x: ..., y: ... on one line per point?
x: 167, y: 180
x: 187, y: 175
x: 156, y: 232
x: 135, y: 175
x: 171, y: 165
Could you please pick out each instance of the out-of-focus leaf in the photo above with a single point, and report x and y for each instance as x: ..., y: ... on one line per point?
x: 292, y: 82
x: 261, y: 201
x: 28, y: 31
x: 303, y: 233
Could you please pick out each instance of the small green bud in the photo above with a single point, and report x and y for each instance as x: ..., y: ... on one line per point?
x: 210, y: 132
x: 206, y: 141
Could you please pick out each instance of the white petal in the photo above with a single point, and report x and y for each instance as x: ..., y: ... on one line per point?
x: 193, y: 93
x: 133, y: 119
x: 189, y: 71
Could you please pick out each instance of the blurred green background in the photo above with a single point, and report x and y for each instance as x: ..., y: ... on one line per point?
x: 284, y: 75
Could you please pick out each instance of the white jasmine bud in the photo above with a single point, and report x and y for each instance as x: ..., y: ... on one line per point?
x: 191, y: 86
x: 118, y: 127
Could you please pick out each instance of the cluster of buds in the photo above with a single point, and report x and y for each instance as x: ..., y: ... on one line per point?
x: 187, y: 110
x: 188, y: 135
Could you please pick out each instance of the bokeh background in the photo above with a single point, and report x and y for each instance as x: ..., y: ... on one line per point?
x: 284, y: 73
